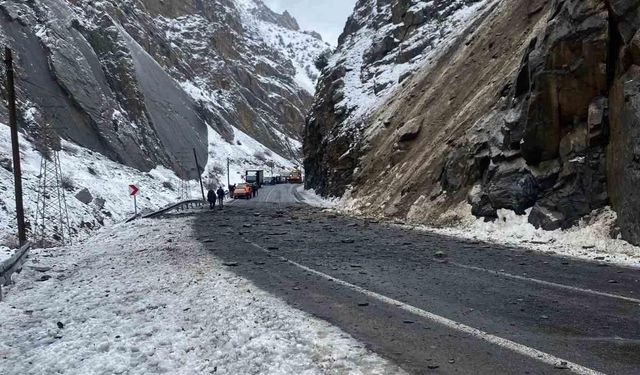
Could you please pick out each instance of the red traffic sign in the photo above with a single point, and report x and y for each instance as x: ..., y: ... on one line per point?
x: 133, y: 190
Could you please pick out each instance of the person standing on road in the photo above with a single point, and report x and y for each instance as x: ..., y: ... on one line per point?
x: 221, y: 197
x: 232, y: 188
x: 211, y: 197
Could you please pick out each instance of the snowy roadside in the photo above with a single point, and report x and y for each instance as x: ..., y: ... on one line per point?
x: 312, y: 199
x: 147, y: 298
x: 590, y: 240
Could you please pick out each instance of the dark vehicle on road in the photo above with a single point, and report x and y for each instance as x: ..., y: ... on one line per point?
x: 255, y: 177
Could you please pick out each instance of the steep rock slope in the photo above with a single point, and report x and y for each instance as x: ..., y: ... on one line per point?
x: 98, y: 88
x: 534, y: 109
x: 134, y: 86
x: 139, y: 81
x: 245, y: 65
x: 382, y: 44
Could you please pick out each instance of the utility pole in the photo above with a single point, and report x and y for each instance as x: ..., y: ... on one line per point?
x: 13, y: 123
x: 204, y: 198
x: 228, y: 174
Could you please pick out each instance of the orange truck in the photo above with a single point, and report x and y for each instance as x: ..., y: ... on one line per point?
x: 295, y: 177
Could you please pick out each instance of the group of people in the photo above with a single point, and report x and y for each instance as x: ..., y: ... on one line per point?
x: 212, y: 195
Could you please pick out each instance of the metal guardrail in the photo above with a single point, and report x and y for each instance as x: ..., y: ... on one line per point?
x: 12, y: 265
x: 178, y: 206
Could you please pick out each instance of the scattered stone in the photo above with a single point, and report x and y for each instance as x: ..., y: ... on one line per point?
x: 408, y: 321
x: 410, y: 130
x: 44, y: 278
x: 348, y: 240
x: 432, y: 367
x: 440, y: 255
x: 355, y: 265
x: 84, y: 196
x: 542, y: 217
x: 231, y: 264
x: 613, y: 281
x: 247, y: 225
x: 598, y: 258
x: 99, y: 202
x: 272, y: 248
x: 363, y: 304
x: 561, y: 366
x: 587, y: 247
x: 41, y: 268
x: 60, y: 325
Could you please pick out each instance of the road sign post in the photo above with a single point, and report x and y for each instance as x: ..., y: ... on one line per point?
x: 133, y: 191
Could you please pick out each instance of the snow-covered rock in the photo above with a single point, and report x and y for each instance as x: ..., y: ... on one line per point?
x: 383, y: 43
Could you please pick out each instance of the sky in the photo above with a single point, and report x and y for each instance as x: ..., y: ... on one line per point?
x: 324, y: 16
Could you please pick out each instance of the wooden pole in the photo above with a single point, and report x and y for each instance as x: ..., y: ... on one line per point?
x: 13, y: 123
x: 204, y: 198
x: 228, y: 174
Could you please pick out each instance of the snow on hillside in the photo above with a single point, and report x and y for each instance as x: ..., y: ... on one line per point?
x: 366, y: 84
x: 107, y: 180
x: 245, y: 153
x: 299, y: 47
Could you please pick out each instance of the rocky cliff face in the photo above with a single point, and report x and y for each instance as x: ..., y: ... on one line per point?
x: 140, y: 81
x: 533, y: 108
x: 383, y: 43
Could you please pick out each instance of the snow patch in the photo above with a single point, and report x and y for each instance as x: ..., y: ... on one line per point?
x: 130, y: 301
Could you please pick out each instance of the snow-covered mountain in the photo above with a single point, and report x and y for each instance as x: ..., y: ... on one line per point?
x: 140, y: 84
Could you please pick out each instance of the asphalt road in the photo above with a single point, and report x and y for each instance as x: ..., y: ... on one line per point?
x: 430, y: 303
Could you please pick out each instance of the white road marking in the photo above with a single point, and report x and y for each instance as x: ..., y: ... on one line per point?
x: 269, y: 195
x: 547, y: 283
x: 482, y: 335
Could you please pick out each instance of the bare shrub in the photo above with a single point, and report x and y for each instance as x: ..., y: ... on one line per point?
x: 67, y: 183
x: 168, y: 185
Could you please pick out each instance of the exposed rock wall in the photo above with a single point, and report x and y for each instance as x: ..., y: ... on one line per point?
x: 383, y: 43
x: 533, y: 109
x: 140, y: 81
x: 623, y: 151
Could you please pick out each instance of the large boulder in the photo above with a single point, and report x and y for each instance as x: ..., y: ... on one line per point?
x: 512, y: 187
x: 84, y: 196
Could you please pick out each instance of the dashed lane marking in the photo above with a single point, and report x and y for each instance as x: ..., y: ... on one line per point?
x: 547, y: 283
x: 482, y: 335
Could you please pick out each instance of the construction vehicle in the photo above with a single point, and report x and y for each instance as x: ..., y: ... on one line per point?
x: 255, y: 177
x: 295, y: 177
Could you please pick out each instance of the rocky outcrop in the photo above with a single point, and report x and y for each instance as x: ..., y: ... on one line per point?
x: 566, y: 101
x: 382, y: 44
x: 535, y: 109
x: 623, y: 151
x: 142, y: 81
